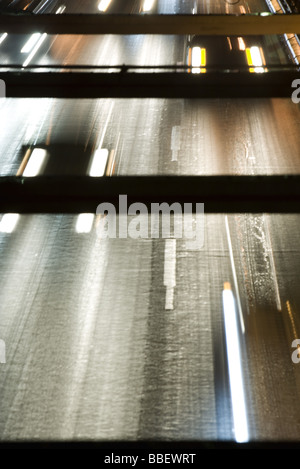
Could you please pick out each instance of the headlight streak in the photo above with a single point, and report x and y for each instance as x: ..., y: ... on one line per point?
x: 35, y: 163
x: 60, y: 10
x: 8, y: 222
x: 35, y: 49
x: 148, y: 5
x: 100, y: 157
x: 2, y: 37
x: 229, y: 43
x: 99, y: 161
x: 84, y: 222
x: 241, y: 43
x: 29, y: 45
x: 103, y: 5
x: 255, y: 59
x: 235, y: 366
x: 198, y: 59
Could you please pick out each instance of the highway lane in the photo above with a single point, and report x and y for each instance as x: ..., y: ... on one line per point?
x: 161, y: 137
x: 92, y: 351
x: 127, y: 367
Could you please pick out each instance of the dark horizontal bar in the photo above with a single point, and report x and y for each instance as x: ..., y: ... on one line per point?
x: 127, y: 67
x: 144, y: 448
x: 220, y: 194
x: 251, y: 24
x: 148, y: 85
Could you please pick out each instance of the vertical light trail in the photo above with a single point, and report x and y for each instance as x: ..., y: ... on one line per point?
x: 98, y: 164
x: 234, y: 274
x: 235, y: 366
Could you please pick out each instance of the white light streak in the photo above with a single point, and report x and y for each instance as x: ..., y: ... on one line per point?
x: 235, y: 366
x: 148, y: 5
x: 35, y: 162
x: 9, y: 222
x: 60, y: 10
x: 99, y: 162
x: 84, y: 222
x: 2, y: 37
x: 103, y: 5
x: 234, y: 274
x: 241, y: 43
x: 35, y: 49
x: 29, y: 45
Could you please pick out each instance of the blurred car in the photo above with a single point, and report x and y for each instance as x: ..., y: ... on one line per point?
x: 223, y: 53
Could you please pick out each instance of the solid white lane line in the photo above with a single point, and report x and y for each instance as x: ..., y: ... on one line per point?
x: 170, y: 272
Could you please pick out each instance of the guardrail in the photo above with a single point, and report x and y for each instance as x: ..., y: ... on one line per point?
x: 123, y: 84
x: 220, y: 194
x: 250, y: 24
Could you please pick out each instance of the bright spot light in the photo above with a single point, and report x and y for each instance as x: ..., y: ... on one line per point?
x: 98, y: 164
x: 9, y: 222
x: 35, y: 162
x: 198, y: 59
x: 148, y: 5
x: 35, y: 49
x: 196, y: 56
x: 235, y: 366
x: 103, y: 5
x: 84, y: 222
x: 31, y: 43
x: 254, y: 57
x: 2, y: 37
